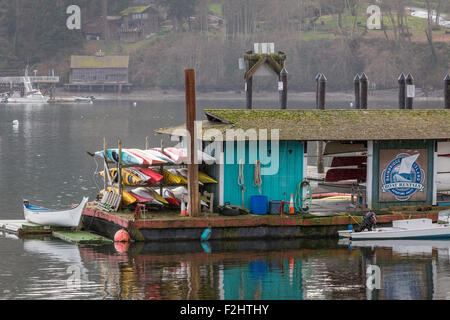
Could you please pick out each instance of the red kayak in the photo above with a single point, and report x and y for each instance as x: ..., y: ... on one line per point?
x: 154, y: 176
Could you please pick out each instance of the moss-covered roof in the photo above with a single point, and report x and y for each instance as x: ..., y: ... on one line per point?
x: 131, y: 10
x: 86, y: 62
x: 338, y: 125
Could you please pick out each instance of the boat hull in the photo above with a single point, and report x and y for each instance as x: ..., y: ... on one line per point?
x: 437, y: 231
x: 61, y: 218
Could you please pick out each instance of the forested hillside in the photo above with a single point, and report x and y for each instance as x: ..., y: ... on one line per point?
x: 328, y: 36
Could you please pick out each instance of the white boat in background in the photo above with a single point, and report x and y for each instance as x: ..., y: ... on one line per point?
x: 58, y: 218
x: 30, y: 95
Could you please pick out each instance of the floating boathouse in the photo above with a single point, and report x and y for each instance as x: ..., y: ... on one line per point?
x: 384, y: 137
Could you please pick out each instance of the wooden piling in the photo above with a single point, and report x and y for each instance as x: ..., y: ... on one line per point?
x: 401, y: 91
x: 283, y: 90
x: 322, y: 81
x: 447, y: 92
x: 409, y: 80
x: 317, y: 90
x: 249, y: 92
x: 105, y: 182
x: 364, y: 81
x: 193, y: 188
x: 119, y: 169
x: 356, y: 82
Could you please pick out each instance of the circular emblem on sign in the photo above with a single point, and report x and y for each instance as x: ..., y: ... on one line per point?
x: 403, y: 177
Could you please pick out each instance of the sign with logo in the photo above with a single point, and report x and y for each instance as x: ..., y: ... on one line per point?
x: 403, y: 175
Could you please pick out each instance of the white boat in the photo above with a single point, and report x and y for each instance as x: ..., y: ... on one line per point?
x: 30, y: 95
x: 59, y: 218
x: 404, y: 229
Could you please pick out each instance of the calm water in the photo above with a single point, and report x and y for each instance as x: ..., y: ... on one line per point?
x: 44, y: 159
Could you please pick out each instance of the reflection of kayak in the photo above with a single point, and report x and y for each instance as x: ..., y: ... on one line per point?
x: 127, y: 198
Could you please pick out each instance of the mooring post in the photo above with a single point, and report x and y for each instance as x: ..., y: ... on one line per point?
x: 356, y: 83
x: 105, y: 172
x: 119, y: 169
x: 447, y: 92
x: 249, y: 92
x: 322, y: 91
x: 364, y: 81
x: 317, y: 90
x: 193, y: 188
x: 322, y: 81
x: 401, y: 91
x: 282, y: 87
x: 409, y: 80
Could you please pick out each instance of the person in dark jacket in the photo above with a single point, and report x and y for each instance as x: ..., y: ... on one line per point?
x: 369, y: 221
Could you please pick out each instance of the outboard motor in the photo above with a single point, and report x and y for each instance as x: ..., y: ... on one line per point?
x: 369, y: 221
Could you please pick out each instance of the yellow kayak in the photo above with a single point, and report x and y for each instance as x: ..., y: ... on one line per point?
x: 128, y: 178
x: 127, y: 198
x: 171, y: 178
x: 157, y: 196
x: 204, y: 178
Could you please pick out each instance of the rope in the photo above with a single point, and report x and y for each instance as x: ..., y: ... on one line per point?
x: 354, y: 219
x: 241, y: 180
x: 257, y: 182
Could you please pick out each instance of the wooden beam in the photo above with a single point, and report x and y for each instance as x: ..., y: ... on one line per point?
x: 255, y: 67
x: 193, y: 187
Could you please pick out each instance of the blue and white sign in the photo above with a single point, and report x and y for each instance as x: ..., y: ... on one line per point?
x: 403, y: 178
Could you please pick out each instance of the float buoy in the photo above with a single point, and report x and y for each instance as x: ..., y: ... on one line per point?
x: 121, y: 247
x: 122, y: 236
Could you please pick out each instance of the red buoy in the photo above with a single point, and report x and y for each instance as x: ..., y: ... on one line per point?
x: 122, y: 236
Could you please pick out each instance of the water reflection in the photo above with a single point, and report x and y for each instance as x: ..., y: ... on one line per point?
x: 250, y: 270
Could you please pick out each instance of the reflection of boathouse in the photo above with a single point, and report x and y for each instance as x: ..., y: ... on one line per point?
x: 385, y: 157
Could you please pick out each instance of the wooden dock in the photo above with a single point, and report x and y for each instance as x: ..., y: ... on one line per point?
x: 81, y: 237
x: 21, y: 227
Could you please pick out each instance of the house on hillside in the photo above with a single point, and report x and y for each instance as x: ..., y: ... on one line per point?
x: 138, y: 22
x: 94, y: 29
x: 99, y: 73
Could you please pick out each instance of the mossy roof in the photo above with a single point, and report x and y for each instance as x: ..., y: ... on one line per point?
x: 88, y: 62
x: 337, y: 125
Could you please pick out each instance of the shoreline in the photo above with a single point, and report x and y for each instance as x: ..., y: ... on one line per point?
x: 177, y: 95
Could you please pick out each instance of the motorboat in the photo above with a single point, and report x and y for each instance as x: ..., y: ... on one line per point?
x: 30, y: 95
x: 59, y: 218
x: 405, y: 229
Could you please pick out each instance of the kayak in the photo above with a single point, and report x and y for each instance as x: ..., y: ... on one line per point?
x: 170, y: 177
x: 180, y: 156
x: 128, y: 177
x: 149, y: 193
x: 154, y: 176
x: 147, y: 158
x: 149, y: 200
x: 127, y: 157
x: 169, y: 196
x: 127, y: 198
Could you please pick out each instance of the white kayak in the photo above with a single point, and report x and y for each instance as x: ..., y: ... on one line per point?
x: 58, y: 218
x: 403, y: 229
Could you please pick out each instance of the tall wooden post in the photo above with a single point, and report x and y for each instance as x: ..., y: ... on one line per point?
x: 119, y: 169
x: 447, y: 92
x: 409, y: 95
x: 193, y: 189
x: 356, y: 84
x: 322, y: 81
x: 283, y: 89
x: 105, y: 177
x: 401, y: 91
x: 249, y: 92
x: 364, y: 90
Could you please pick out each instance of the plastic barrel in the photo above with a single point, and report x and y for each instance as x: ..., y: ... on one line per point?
x: 258, y: 204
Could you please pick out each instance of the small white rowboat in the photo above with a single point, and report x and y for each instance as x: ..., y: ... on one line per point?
x: 58, y: 218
